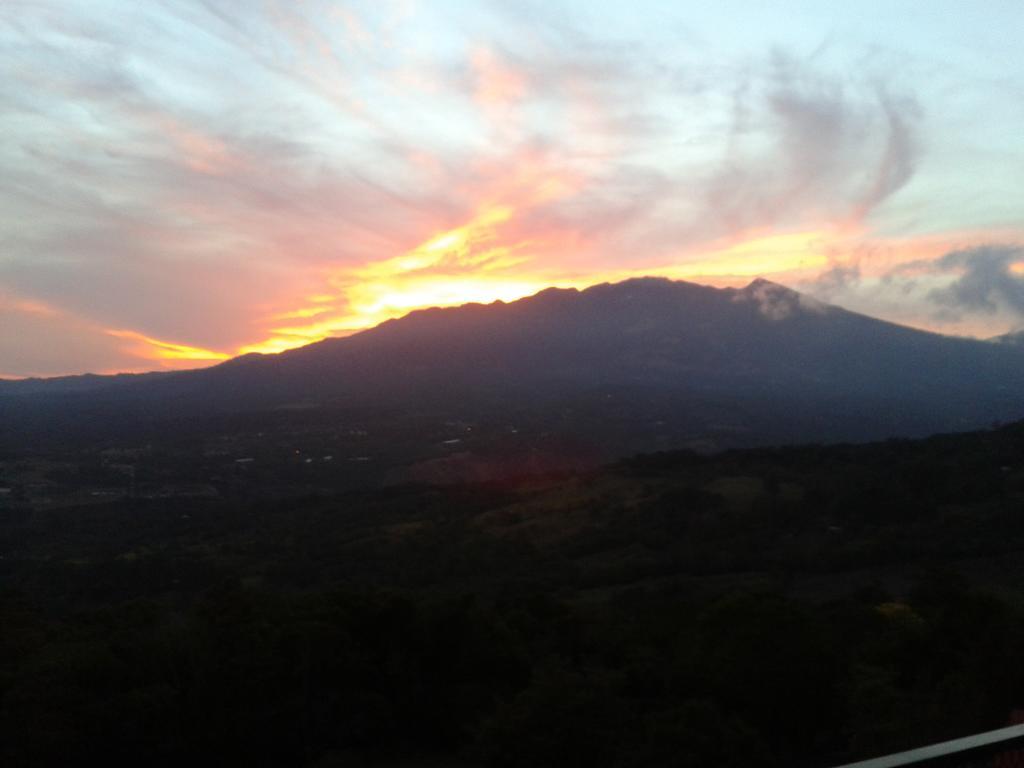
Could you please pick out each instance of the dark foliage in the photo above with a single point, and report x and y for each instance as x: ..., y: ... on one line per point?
x: 786, y: 607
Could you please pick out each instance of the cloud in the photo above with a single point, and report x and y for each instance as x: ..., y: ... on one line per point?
x: 498, y: 87
x: 806, y: 144
x: 955, y: 283
x: 156, y: 349
x: 835, y: 280
x: 896, y: 164
x: 233, y: 176
x: 776, y: 302
x: 987, y: 281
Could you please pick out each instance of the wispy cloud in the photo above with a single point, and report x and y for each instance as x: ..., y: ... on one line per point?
x: 235, y: 176
x: 806, y: 145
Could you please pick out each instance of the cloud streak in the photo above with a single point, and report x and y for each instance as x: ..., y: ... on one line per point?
x: 804, y: 145
x: 235, y: 177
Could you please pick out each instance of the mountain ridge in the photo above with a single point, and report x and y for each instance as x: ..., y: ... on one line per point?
x: 728, y: 367
x: 91, y: 380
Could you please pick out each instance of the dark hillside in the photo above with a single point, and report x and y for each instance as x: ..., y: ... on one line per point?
x: 777, y: 607
x: 641, y: 365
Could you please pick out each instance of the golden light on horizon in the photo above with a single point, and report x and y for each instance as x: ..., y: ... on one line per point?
x: 150, y: 348
x: 483, y: 261
x: 476, y: 263
x: 493, y: 258
x: 764, y: 255
x: 458, y: 266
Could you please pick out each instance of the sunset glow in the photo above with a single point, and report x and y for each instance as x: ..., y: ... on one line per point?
x: 461, y: 265
x: 209, y: 181
x: 155, y: 349
x: 474, y: 263
x: 767, y: 255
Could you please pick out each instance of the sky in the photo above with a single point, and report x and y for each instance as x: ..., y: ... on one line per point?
x: 183, y: 181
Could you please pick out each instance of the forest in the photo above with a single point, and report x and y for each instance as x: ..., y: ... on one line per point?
x: 793, y: 607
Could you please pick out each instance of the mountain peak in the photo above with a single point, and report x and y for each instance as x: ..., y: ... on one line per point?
x: 760, y: 283
x: 777, y: 302
x: 653, y: 288
x: 635, y: 365
x: 633, y: 284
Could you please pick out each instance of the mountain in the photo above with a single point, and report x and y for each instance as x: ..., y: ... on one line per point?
x: 60, y: 385
x: 1014, y: 338
x: 639, y: 365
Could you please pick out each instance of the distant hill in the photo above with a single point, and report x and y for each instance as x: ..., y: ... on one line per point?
x: 60, y: 385
x: 1014, y: 338
x: 644, y: 364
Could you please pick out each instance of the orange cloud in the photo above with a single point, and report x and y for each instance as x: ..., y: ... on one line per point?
x: 494, y: 256
x: 489, y: 259
x: 464, y: 264
x: 498, y: 86
x: 29, y: 307
x: 149, y: 348
x: 771, y: 254
x: 200, y: 153
x: 499, y: 253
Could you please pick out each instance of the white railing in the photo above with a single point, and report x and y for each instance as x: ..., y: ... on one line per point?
x: 968, y: 751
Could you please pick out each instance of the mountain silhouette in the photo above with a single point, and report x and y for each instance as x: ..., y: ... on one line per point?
x: 643, y: 364
x: 1013, y: 337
